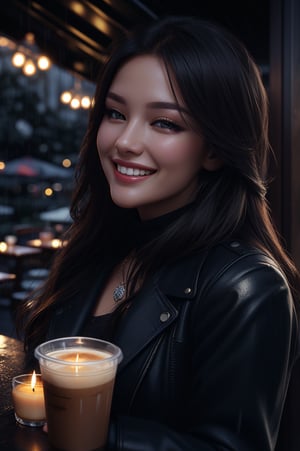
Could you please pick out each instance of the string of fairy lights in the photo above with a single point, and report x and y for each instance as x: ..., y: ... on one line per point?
x: 27, y: 57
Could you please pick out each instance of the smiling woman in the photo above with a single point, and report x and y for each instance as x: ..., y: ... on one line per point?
x: 172, y: 254
x: 150, y: 154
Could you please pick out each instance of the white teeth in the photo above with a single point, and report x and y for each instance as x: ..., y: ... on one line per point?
x: 132, y: 171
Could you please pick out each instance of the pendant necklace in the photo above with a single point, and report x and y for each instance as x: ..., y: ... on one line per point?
x: 120, y: 290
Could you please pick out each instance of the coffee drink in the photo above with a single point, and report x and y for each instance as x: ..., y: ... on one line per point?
x: 78, y: 418
x: 78, y: 376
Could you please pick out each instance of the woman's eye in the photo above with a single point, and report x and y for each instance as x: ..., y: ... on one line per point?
x: 114, y: 114
x: 167, y: 124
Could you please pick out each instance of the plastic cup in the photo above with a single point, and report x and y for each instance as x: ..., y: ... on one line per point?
x: 78, y: 376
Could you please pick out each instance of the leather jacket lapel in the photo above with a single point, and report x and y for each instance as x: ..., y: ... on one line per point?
x: 152, y: 310
x: 150, y: 313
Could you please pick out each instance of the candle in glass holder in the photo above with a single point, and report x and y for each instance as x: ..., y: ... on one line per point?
x: 28, y: 399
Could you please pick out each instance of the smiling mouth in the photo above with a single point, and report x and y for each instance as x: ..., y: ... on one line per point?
x: 133, y: 171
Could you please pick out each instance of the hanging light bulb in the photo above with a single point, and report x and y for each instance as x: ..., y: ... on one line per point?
x: 29, y: 38
x: 18, y: 59
x: 66, y: 97
x: 27, y: 57
x: 29, y: 68
x: 43, y: 62
x: 85, y: 102
x: 75, y: 103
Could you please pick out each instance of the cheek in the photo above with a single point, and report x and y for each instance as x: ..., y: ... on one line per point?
x: 99, y: 140
x: 181, y: 153
x: 104, y: 139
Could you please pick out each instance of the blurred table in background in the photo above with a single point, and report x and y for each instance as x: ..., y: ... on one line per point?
x: 51, y: 245
x: 15, y: 258
x: 6, y: 277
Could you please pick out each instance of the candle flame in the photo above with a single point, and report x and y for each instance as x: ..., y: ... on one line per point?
x: 33, y: 381
x: 76, y: 360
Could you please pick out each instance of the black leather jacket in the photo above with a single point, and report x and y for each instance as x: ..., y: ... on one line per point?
x: 208, y: 349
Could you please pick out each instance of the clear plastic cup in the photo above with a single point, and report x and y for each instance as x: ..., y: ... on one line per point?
x: 78, y: 376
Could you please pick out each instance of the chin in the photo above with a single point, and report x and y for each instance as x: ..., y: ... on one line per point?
x: 124, y: 204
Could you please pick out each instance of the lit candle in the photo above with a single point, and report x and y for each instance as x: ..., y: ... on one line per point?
x: 3, y: 246
x: 56, y: 242
x: 28, y: 399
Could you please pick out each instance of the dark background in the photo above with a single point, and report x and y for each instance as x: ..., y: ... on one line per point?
x: 77, y: 35
x: 75, y: 38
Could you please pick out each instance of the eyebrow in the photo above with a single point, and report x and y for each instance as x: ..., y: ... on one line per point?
x: 152, y: 105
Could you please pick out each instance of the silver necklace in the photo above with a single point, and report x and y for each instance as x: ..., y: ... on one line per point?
x: 120, y: 290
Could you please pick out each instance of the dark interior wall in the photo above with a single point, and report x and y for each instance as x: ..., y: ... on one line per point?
x: 284, y: 91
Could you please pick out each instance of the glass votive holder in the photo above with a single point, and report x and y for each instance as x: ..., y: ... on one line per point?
x: 28, y: 399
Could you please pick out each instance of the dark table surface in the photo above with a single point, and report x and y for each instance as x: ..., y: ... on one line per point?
x: 14, y: 437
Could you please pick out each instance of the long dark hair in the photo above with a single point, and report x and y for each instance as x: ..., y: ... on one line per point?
x: 222, y: 89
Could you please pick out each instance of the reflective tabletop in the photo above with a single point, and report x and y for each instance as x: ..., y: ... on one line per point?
x: 14, y: 437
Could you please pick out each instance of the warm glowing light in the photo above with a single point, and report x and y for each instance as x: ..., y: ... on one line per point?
x: 78, y: 8
x: 3, y: 246
x: 76, y: 360
x: 29, y: 68
x: 26, y: 57
x: 56, y: 242
x: 66, y: 163
x: 4, y: 42
x: 29, y: 38
x: 36, y: 242
x: 85, y: 102
x: 2, y: 165
x: 48, y: 192
x: 18, y: 59
x: 2, y: 342
x: 66, y: 97
x: 101, y: 24
x: 33, y: 381
x: 43, y: 62
x: 75, y: 103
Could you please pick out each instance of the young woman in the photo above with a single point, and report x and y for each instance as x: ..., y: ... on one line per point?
x: 172, y: 254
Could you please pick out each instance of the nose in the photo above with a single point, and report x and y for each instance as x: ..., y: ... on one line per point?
x: 131, y: 139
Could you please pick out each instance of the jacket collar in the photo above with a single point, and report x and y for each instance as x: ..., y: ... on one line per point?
x: 181, y: 279
x: 148, y: 316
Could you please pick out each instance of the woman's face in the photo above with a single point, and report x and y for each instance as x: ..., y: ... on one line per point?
x: 150, y: 156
